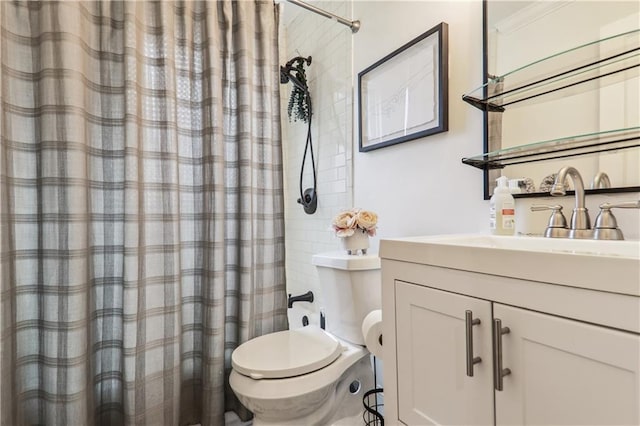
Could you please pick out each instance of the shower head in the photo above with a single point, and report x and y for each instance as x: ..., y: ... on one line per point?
x: 300, y: 59
x: 286, y: 74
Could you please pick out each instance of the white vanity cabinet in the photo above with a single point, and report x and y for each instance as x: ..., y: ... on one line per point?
x: 566, y: 372
x: 433, y: 387
x: 573, y: 354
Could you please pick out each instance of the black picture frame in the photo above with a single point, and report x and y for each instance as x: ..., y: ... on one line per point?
x: 404, y: 96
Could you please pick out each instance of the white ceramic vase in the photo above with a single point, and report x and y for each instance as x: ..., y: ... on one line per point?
x: 359, y: 241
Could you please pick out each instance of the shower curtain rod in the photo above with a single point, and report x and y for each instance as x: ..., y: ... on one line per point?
x: 354, y: 25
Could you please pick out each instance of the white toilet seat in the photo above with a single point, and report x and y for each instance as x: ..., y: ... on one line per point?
x: 297, y: 386
x: 286, y: 353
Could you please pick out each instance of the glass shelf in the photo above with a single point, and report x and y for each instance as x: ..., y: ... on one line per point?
x: 601, y: 62
x: 610, y: 140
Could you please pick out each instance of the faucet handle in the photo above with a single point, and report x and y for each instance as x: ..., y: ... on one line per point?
x: 541, y: 207
x: 606, y: 226
x: 557, y: 219
x: 557, y: 226
x: 623, y: 205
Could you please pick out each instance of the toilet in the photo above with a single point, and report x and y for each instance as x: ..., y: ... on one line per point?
x: 311, y: 376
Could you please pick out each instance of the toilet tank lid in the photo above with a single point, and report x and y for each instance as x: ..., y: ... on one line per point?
x: 342, y: 260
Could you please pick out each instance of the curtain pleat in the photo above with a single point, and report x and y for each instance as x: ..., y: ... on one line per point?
x: 141, y: 207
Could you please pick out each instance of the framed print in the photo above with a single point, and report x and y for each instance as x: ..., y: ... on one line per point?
x: 404, y: 96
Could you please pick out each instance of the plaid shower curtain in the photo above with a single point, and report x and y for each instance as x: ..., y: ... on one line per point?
x: 141, y: 207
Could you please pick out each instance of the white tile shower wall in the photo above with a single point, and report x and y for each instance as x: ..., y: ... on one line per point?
x: 330, y: 81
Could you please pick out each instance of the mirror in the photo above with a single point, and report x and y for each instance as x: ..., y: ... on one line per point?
x: 518, y: 33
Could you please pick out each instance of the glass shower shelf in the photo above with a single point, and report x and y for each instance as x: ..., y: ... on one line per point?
x: 601, y: 62
x: 609, y: 140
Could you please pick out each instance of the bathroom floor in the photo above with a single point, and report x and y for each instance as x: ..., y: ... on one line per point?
x: 232, y: 419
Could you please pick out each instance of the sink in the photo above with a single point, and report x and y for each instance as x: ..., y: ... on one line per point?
x: 611, y: 266
x: 629, y: 249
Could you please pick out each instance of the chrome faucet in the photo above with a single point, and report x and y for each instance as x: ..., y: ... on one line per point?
x: 580, y: 226
x: 601, y: 180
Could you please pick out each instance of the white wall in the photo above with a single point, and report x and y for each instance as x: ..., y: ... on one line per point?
x: 421, y: 187
x: 418, y: 187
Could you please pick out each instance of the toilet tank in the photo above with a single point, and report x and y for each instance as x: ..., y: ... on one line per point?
x: 351, y: 287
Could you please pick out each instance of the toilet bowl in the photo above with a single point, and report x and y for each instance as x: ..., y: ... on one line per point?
x: 306, y: 398
x: 311, y: 376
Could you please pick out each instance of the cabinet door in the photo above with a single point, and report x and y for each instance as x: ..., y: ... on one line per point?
x: 566, y: 372
x: 433, y: 387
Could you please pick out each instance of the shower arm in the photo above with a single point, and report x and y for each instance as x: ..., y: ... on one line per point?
x: 354, y: 25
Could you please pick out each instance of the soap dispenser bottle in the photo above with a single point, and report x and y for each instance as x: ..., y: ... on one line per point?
x: 502, y: 209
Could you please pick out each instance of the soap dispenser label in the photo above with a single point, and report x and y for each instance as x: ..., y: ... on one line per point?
x: 508, y: 222
x: 508, y: 215
x: 508, y: 209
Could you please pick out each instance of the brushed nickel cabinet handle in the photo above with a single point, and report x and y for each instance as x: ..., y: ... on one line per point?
x: 498, y: 371
x: 469, y: 322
